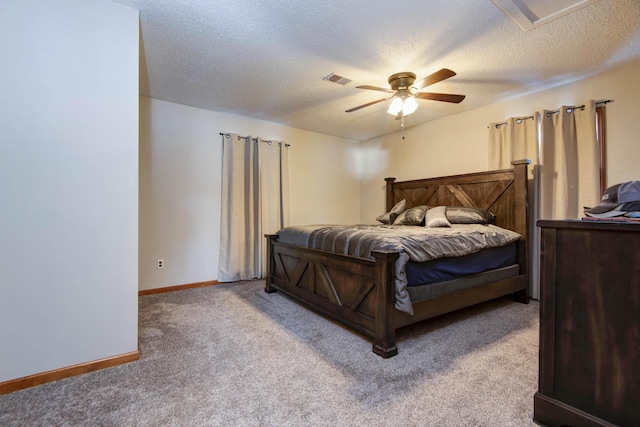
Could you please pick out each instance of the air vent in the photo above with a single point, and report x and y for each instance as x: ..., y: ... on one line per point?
x: 336, y: 79
x: 530, y: 14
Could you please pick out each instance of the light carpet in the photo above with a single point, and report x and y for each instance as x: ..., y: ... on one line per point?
x: 232, y: 355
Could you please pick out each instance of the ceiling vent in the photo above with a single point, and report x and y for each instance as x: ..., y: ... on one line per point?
x: 336, y: 79
x: 530, y: 14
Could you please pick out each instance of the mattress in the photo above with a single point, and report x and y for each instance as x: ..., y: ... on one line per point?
x: 444, y: 269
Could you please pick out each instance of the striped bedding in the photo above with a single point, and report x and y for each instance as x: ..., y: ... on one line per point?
x: 414, y: 243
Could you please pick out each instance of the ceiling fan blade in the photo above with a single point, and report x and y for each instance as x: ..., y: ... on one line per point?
x: 365, y: 105
x: 436, y: 77
x: 445, y: 97
x: 381, y: 89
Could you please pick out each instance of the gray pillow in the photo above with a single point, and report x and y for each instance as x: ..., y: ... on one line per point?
x: 436, y: 217
x: 389, y: 217
x: 464, y: 215
x: 412, y: 216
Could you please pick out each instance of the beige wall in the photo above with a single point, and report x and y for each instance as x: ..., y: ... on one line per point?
x: 458, y: 144
x: 180, y: 179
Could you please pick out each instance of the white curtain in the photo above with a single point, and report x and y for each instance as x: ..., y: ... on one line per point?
x: 254, y: 202
x: 517, y: 139
x: 570, y: 178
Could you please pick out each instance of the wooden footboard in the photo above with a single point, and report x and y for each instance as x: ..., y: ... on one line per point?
x: 357, y: 292
x: 360, y: 293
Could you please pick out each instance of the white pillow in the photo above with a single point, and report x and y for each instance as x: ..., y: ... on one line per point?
x: 437, y: 217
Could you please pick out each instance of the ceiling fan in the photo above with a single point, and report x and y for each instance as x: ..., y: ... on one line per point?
x: 404, y: 90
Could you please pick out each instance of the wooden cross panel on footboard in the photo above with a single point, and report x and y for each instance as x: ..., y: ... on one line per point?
x: 360, y: 292
x: 357, y: 292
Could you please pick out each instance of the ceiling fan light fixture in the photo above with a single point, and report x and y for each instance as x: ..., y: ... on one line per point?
x: 405, y: 105
x: 395, y: 107
x: 409, y: 106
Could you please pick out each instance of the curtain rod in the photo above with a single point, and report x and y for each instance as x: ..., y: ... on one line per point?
x: 581, y: 107
x: 264, y: 140
x: 228, y: 134
x: 518, y: 121
x: 569, y: 109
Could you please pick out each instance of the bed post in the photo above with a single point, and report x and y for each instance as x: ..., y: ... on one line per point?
x: 520, y: 204
x: 389, y: 187
x: 269, y: 263
x: 384, y: 343
x: 521, y: 225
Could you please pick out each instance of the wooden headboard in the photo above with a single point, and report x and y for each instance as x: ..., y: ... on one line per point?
x: 503, y: 192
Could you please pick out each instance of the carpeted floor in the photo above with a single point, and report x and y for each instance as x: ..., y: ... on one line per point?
x: 232, y: 355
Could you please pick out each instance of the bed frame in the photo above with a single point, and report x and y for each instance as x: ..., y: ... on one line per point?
x: 360, y: 293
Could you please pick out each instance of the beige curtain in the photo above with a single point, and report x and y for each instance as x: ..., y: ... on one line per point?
x: 514, y: 139
x: 500, y: 145
x: 274, y: 193
x: 517, y: 139
x: 570, y: 178
x: 564, y: 175
x: 254, y: 202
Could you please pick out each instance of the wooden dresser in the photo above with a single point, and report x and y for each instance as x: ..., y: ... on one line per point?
x: 589, y: 324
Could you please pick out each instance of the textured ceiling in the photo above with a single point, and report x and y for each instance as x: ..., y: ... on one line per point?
x: 266, y: 58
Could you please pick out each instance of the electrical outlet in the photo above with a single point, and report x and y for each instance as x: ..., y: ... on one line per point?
x: 160, y: 264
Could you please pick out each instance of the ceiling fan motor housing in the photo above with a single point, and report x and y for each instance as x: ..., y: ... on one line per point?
x: 402, y: 80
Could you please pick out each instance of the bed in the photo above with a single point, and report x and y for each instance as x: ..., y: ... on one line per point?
x: 361, y: 292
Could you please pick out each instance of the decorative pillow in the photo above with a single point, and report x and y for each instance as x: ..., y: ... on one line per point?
x: 437, y: 217
x: 389, y: 217
x: 412, y: 216
x: 464, y: 215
